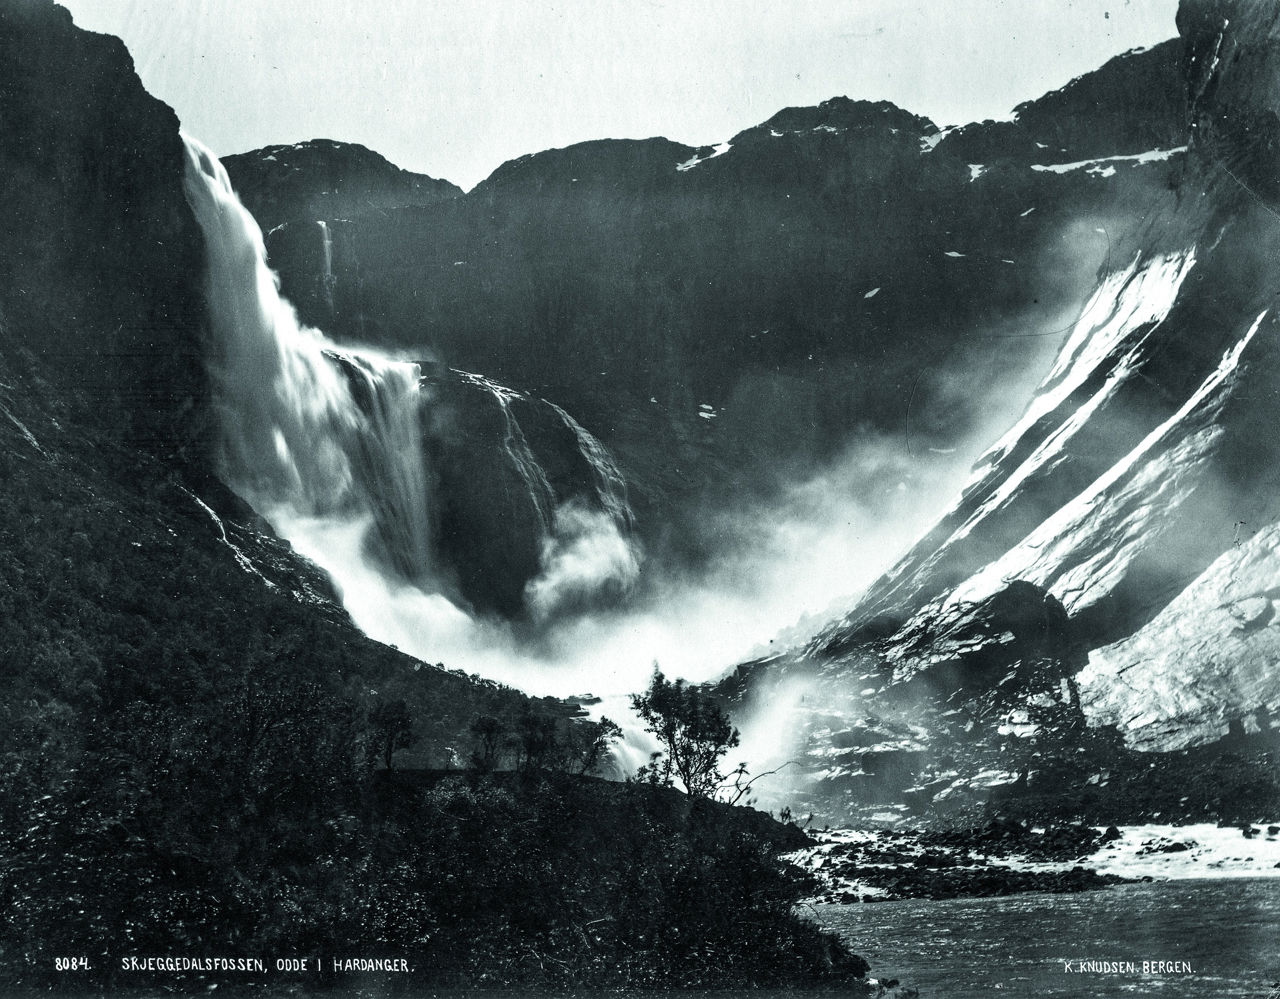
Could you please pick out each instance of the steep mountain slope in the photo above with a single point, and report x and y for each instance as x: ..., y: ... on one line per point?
x: 1109, y: 563
x: 1145, y: 451
x: 104, y: 397
x: 158, y: 643
x: 100, y: 261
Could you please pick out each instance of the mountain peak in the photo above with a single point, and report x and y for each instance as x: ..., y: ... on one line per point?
x: 843, y: 114
x: 325, y: 179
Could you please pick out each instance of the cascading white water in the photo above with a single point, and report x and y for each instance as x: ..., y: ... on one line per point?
x: 610, y: 483
x: 388, y: 449
x: 308, y: 429
x: 517, y: 448
x: 326, y: 442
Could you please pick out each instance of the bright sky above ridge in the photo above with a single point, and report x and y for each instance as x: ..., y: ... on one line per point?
x: 453, y: 88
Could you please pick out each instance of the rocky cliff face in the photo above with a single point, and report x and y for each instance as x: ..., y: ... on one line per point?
x: 1232, y: 77
x: 100, y: 262
x: 148, y: 615
x: 518, y: 480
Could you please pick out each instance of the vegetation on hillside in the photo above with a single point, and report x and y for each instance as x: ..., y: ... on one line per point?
x: 199, y: 755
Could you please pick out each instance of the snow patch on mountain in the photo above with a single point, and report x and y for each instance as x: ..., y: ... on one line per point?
x: 1082, y: 551
x: 1125, y: 302
x: 689, y: 164
x: 930, y: 142
x: 1105, y: 166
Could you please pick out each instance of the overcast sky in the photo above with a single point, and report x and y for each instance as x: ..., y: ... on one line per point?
x: 453, y: 88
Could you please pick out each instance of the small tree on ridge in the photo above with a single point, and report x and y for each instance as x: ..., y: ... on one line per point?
x: 694, y: 732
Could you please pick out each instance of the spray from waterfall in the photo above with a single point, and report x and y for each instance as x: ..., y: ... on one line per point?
x: 326, y: 442
x: 307, y: 427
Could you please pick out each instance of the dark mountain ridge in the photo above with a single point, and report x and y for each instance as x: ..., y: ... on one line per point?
x: 726, y: 319
x: 100, y: 267
x: 1083, y: 120
x: 323, y: 179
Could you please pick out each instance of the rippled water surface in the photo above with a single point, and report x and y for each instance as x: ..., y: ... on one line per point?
x: 1032, y: 945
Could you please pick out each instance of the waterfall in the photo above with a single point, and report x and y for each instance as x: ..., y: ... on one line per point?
x: 610, y: 484
x: 328, y: 443
x: 309, y: 429
x: 388, y: 452
x: 327, y: 279
x: 517, y: 448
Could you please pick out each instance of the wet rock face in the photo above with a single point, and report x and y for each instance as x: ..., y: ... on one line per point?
x: 1205, y: 664
x: 1013, y: 643
x: 496, y: 513
x: 101, y: 259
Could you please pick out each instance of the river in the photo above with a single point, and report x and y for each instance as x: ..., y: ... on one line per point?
x: 1226, y: 931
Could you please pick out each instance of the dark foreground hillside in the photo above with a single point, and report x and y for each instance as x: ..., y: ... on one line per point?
x: 188, y: 760
x: 191, y: 729
x: 190, y: 754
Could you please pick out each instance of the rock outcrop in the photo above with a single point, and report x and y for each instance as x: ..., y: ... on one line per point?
x: 517, y: 479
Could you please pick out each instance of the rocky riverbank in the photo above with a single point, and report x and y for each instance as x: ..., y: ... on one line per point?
x: 1005, y: 857
x: 1000, y: 858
